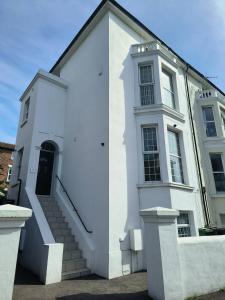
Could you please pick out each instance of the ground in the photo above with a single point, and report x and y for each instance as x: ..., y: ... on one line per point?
x: 131, y: 287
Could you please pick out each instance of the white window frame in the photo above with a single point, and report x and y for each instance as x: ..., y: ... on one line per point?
x: 180, y: 157
x: 185, y: 225
x: 9, y: 174
x: 217, y: 172
x: 206, y: 122
x: 26, y: 110
x: 148, y: 83
x: 150, y: 152
x: 172, y: 92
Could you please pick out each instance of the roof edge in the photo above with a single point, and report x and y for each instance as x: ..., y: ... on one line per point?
x: 143, y: 27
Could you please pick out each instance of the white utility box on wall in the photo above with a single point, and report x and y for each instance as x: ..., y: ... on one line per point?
x: 136, y: 243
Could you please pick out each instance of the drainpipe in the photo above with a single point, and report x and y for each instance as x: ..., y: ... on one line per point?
x: 202, y: 188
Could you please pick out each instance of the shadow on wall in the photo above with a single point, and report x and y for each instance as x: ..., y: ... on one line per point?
x: 86, y: 296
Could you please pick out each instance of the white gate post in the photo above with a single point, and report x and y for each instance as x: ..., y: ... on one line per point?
x: 161, y: 250
x: 12, y: 218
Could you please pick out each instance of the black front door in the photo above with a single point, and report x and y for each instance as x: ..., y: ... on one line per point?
x: 45, y: 169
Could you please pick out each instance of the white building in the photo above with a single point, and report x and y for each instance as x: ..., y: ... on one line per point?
x: 118, y: 120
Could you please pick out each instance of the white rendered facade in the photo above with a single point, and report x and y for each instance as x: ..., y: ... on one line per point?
x: 90, y: 108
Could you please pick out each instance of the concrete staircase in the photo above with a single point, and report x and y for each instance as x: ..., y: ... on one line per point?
x: 74, y: 265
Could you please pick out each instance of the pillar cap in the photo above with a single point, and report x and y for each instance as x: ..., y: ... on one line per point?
x: 159, y: 212
x: 9, y: 211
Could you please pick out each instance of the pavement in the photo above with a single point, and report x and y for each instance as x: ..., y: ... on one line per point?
x: 132, y: 287
x: 92, y: 287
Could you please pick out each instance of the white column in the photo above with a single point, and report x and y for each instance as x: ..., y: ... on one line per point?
x: 161, y: 250
x: 12, y: 218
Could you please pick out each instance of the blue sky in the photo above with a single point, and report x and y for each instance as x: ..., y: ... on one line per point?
x: 35, y: 32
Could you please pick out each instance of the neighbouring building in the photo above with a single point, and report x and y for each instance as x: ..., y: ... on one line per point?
x: 119, y: 124
x: 6, y: 161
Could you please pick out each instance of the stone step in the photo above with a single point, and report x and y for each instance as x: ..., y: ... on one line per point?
x: 64, y: 239
x: 75, y: 274
x: 53, y: 214
x: 63, y: 231
x: 73, y: 264
x: 71, y: 254
x: 71, y: 246
x: 56, y: 219
x: 58, y: 225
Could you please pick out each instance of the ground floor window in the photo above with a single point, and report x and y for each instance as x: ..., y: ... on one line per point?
x: 183, y: 225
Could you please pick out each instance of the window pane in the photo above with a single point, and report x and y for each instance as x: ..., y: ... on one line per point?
x: 175, y: 157
x: 183, y: 224
x: 210, y: 129
x: 183, y: 218
x: 150, y: 139
x: 168, y: 98
x: 219, y: 181
x: 216, y: 161
x: 146, y: 74
x: 174, y: 145
x: 147, y: 94
x: 208, y: 114
x: 151, y: 167
x: 184, y: 231
x: 167, y: 80
x: 176, y: 169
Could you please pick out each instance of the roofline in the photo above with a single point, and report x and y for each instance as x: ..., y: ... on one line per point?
x: 7, y: 146
x: 142, y: 26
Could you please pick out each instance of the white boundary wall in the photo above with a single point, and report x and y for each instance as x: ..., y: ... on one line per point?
x: 180, y: 267
x: 202, y: 264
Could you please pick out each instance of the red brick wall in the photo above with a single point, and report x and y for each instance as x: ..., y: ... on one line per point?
x: 5, y: 161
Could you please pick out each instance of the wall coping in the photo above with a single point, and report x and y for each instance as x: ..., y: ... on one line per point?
x: 9, y: 212
x: 159, y: 212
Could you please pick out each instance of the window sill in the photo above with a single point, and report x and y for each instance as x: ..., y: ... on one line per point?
x: 23, y: 123
x: 219, y: 195
x: 166, y: 185
x: 159, y: 108
x: 214, y: 139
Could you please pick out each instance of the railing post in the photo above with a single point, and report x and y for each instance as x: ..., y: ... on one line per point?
x: 161, y: 251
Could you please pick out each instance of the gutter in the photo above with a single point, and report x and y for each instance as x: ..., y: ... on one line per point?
x: 202, y: 188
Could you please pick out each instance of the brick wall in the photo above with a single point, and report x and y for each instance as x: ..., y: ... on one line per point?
x: 5, y: 160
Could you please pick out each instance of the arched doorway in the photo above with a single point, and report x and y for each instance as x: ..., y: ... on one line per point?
x: 45, y: 169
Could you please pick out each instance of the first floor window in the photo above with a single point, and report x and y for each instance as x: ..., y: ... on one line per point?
x: 218, y: 171
x: 151, y: 154
x: 183, y: 225
x: 146, y: 83
x: 9, y: 173
x: 175, y: 157
x: 210, y: 126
